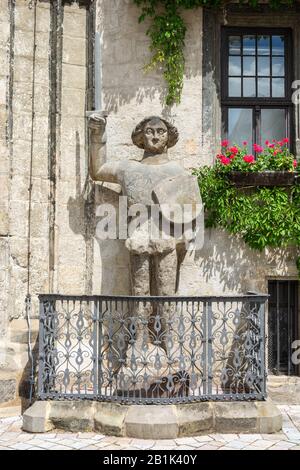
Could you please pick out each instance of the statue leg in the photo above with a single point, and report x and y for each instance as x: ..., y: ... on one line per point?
x: 140, y: 286
x: 166, y: 273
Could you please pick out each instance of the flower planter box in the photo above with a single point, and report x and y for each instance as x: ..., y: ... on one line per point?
x: 263, y: 178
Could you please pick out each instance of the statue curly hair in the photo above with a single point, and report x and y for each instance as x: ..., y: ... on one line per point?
x: 137, y: 134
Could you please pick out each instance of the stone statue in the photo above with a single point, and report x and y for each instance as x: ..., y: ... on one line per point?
x: 155, y: 179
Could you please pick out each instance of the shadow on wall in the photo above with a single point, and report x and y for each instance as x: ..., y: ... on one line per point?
x: 125, y: 52
x: 237, y: 267
x: 83, y: 221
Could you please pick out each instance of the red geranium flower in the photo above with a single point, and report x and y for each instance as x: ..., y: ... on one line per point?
x: 225, y: 143
x: 257, y: 148
x: 295, y: 163
x: 225, y: 160
x: 285, y: 140
x: 249, y: 158
x: 233, y: 150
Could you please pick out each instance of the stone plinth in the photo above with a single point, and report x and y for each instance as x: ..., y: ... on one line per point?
x: 153, y: 421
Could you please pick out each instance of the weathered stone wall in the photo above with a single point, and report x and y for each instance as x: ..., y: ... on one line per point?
x: 4, y: 175
x: 47, y: 204
x: 45, y: 244
x: 225, y: 264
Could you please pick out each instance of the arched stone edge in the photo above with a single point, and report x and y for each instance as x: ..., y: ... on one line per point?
x: 153, y: 421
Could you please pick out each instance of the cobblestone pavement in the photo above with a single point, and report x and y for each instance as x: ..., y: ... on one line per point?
x: 13, y: 438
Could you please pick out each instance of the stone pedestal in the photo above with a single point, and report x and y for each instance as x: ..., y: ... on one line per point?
x: 154, y: 421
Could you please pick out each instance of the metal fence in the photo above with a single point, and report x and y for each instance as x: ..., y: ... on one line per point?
x: 152, y: 349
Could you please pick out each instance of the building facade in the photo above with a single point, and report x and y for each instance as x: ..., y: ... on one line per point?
x: 61, y: 59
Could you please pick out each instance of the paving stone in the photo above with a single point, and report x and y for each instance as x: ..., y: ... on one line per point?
x: 86, y: 435
x: 38, y: 448
x: 203, y: 438
x: 226, y: 437
x: 187, y: 448
x: 188, y: 441
x: 206, y: 447
x: 284, y: 445
x: 89, y: 448
x: 67, y: 442
x: 112, y: 447
x: 98, y: 436
x: 227, y: 448
x: 58, y: 447
x: 250, y: 448
x: 162, y: 447
x: 78, y: 445
x: 144, y: 444
x: 249, y: 439
x: 262, y: 444
x: 20, y: 446
x: 237, y: 444
x: 123, y: 441
x: 49, y: 436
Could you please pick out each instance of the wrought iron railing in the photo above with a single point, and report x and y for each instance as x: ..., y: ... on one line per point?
x: 152, y: 349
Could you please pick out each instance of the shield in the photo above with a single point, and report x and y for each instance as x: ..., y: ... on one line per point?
x: 179, y: 199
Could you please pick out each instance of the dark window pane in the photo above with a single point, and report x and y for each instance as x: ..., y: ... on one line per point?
x: 234, y: 65
x: 234, y: 45
x: 273, y: 124
x: 263, y: 87
x: 278, y: 66
x: 278, y: 88
x: 249, y: 45
x: 240, y: 126
x: 249, y: 87
x: 263, y: 66
x: 234, y: 87
x: 278, y: 45
x: 263, y: 45
x: 249, y: 66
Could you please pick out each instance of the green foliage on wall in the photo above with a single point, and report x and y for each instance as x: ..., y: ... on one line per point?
x: 168, y: 31
x: 263, y: 217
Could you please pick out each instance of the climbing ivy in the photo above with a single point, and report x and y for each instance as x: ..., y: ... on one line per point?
x: 263, y: 217
x: 168, y: 31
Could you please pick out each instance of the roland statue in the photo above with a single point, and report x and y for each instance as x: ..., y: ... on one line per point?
x: 153, y: 180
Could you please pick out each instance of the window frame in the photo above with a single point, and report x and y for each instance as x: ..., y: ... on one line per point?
x: 257, y: 103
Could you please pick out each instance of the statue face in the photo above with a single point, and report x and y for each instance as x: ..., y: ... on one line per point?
x: 155, y: 136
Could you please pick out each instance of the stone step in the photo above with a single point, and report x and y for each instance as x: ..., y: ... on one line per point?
x: 10, y: 411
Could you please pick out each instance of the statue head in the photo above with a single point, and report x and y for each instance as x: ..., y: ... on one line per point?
x: 155, y: 135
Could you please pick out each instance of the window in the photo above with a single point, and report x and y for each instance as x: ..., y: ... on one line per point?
x: 256, y: 84
x: 283, y: 325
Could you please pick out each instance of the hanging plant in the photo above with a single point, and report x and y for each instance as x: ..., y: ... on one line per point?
x: 263, y: 217
x: 168, y: 31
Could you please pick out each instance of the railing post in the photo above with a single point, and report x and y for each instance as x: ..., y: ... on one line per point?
x: 96, y: 357
x: 41, y: 388
x: 262, y: 347
x: 209, y: 348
